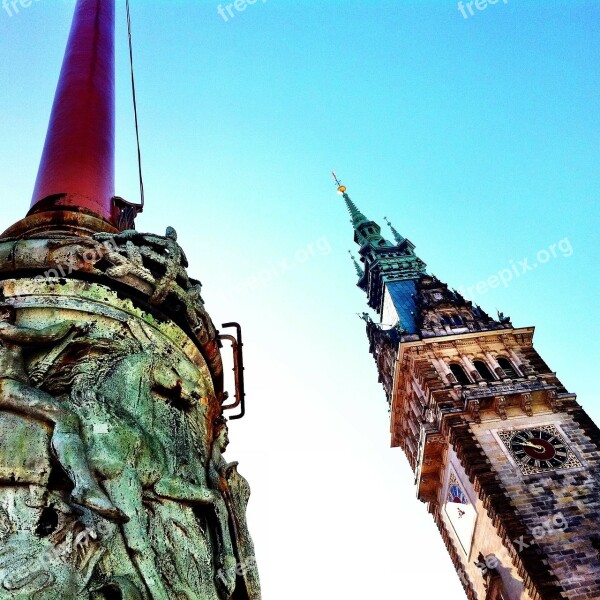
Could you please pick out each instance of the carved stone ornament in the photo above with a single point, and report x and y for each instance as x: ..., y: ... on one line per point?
x: 553, y: 400
x: 475, y: 410
x: 500, y: 372
x: 436, y: 439
x: 112, y: 479
x: 526, y: 404
x: 507, y: 389
x: 500, y: 407
x: 150, y: 266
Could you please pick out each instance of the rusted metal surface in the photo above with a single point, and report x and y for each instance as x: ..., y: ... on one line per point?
x: 67, y: 222
x: 78, y: 156
x: 238, y: 370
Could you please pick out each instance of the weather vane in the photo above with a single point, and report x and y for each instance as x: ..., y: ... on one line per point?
x: 341, y: 188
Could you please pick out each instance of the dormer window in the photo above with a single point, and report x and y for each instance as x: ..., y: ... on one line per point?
x: 483, y: 370
x: 508, y: 368
x: 460, y: 374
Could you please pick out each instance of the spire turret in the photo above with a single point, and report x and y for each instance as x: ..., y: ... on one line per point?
x: 387, y: 266
x: 397, y: 237
x: 365, y: 230
x: 359, y: 270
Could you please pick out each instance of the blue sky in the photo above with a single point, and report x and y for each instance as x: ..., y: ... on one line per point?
x: 478, y: 137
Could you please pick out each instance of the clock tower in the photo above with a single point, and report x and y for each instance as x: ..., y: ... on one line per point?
x: 505, y: 459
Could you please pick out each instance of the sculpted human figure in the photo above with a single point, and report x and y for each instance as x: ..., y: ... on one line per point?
x: 129, y: 264
x: 17, y: 394
x: 164, y: 251
x: 140, y: 391
x: 223, y: 476
x: 218, y: 464
x: 127, y: 251
x: 197, y: 316
x: 175, y: 264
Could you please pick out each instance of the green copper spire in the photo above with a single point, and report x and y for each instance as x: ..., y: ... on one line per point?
x: 357, y: 217
x: 359, y: 270
x: 365, y: 230
x: 382, y: 263
x: 399, y: 239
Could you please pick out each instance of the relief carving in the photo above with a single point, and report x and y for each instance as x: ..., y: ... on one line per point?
x: 553, y: 400
x: 18, y: 395
x: 6, y: 525
x: 138, y: 501
x: 475, y: 410
x: 500, y: 407
x: 526, y: 404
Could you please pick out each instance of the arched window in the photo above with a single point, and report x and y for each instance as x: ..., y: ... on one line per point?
x: 446, y: 320
x: 458, y: 321
x: 507, y: 367
x: 483, y: 370
x: 460, y: 374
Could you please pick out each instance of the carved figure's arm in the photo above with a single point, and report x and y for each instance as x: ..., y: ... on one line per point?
x: 150, y: 240
x: 27, y: 335
x: 128, y: 234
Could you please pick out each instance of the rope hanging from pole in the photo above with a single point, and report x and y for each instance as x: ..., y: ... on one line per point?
x: 130, y: 210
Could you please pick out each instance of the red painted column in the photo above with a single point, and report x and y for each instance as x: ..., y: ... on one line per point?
x: 78, y: 158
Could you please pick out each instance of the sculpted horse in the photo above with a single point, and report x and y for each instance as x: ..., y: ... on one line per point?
x: 143, y: 442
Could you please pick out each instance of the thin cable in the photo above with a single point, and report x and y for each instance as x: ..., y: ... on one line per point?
x: 135, y: 111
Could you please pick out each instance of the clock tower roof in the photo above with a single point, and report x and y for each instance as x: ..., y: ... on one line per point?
x: 401, y: 292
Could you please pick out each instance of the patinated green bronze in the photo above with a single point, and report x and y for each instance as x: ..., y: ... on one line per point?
x: 113, y: 482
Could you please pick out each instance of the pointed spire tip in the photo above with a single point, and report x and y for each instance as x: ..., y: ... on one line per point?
x: 359, y: 270
x: 399, y: 238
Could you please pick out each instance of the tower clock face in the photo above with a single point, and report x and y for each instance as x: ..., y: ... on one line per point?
x: 539, y: 449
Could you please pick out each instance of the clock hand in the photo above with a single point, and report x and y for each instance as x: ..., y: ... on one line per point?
x: 530, y: 445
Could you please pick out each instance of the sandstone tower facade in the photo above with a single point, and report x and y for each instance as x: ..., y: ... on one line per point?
x: 505, y: 459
